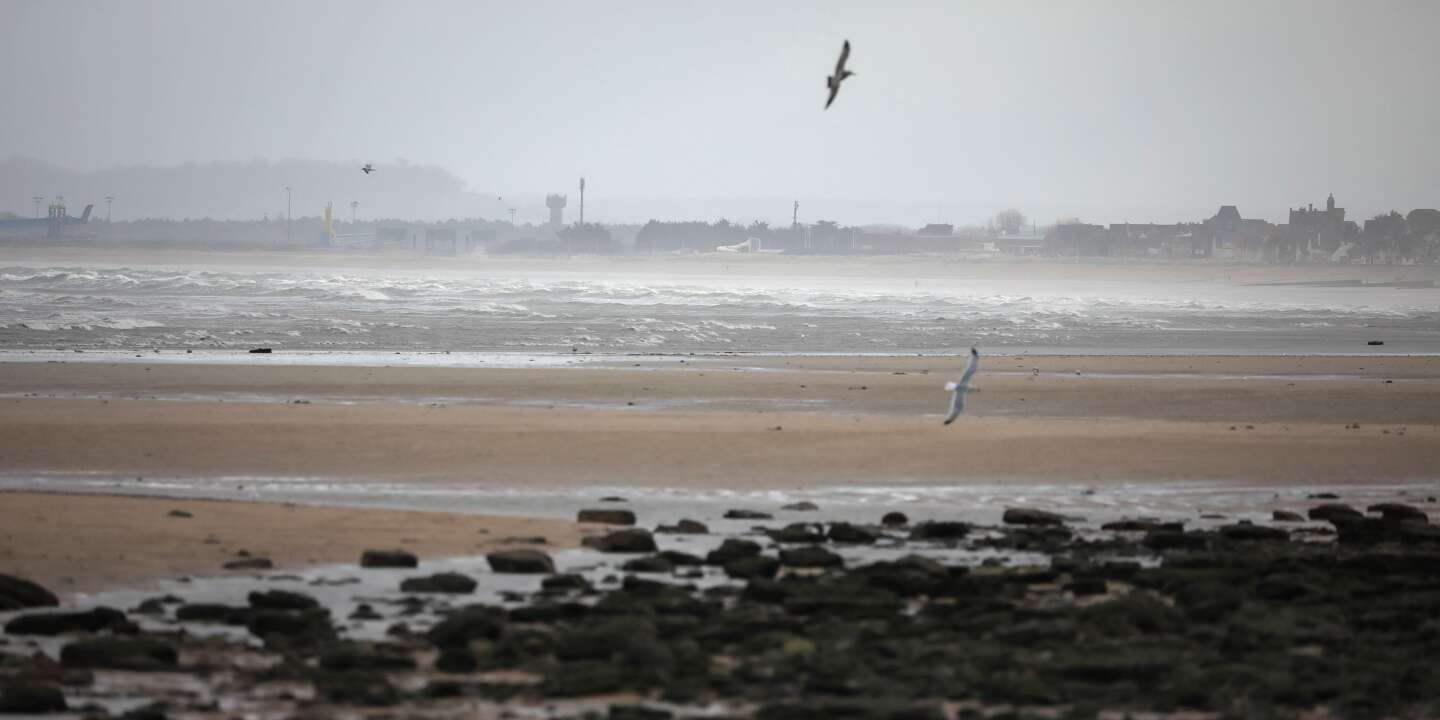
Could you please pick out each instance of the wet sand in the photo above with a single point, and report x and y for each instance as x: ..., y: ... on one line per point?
x: 752, y: 422
x: 84, y: 543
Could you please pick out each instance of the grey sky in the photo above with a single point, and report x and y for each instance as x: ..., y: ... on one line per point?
x: 1104, y: 110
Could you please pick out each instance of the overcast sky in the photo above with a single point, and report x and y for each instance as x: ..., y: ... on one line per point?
x: 1109, y: 111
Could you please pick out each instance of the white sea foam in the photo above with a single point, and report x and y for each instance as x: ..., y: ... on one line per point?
x: 450, y: 311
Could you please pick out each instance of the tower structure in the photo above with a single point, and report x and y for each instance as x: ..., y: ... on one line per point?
x: 582, y: 201
x: 556, y: 203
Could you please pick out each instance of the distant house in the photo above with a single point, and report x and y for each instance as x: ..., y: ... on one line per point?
x: 1079, y: 240
x: 1020, y: 244
x: 1233, y: 237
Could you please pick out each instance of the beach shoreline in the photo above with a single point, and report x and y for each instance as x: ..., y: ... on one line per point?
x: 75, y: 543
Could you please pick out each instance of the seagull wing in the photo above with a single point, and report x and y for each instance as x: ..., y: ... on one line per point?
x: 957, y: 403
x: 971, y: 368
x: 844, y: 55
x: 834, y: 90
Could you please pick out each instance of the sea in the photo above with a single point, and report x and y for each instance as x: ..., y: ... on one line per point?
x: 534, y: 313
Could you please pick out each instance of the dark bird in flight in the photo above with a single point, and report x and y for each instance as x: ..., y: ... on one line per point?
x: 367, y: 169
x: 833, y: 82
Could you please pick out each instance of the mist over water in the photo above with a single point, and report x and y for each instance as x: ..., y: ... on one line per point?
x: 49, y: 308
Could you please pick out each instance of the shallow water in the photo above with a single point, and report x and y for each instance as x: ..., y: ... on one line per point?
x: 976, y: 501
x: 611, y: 312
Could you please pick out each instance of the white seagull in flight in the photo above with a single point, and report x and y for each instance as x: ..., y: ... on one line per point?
x: 833, y: 82
x: 367, y: 169
x: 957, y: 404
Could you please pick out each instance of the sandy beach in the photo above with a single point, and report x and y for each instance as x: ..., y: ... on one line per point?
x: 84, y: 543
x: 735, y: 422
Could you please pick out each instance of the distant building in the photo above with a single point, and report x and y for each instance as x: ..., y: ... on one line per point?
x: 1315, y: 234
x: 1232, y: 237
x: 556, y: 203
x: 1020, y: 244
x: 933, y: 238
x: 1079, y: 240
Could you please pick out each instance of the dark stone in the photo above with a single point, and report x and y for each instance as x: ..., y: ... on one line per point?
x: 357, y: 688
x: 254, y: 563
x: 811, y: 556
x: 1088, y: 586
x: 179, y: 514
x: 634, y: 540
x: 90, y: 621
x: 797, y: 533
x: 16, y: 593
x: 678, y: 558
x: 1246, y: 532
x: 260, y: 351
x: 590, y: 677
x: 1323, y: 496
x: 1173, y: 540
x: 548, y: 613
x: 732, y: 549
x: 281, y: 600
x: 1399, y: 512
x: 150, y: 711
x: 1284, y: 587
x: 349, y: 657
x: 908, y: 576
x: 685, y: 527
x: 448, y: 582
x: 1142, y: 526
x: 475, y: 622
x: 851, y: 534
x: 22, y: 698
x: 149, y: 606
x: 803, y: 506
x: 565, y: 583
x: 459, y: 659
x: 1329, y: 511
x: 388, y: 559
x: 1287, y: 516
x: 648, y: 564
x: 140, y: 654
x: 752, y: 566
x: 520, y: 561
x: 292, y: 628
x: 1027, y: 516
x: 894, y: 519
x: 637, y: 712
x: 213, y: 612
x: 1368, y: 531
x: 363, y: 611
x: 939, y: 530
x: 607, y: 517
x: 1209, y: 601
x: 747, y: 515
x: 605, y: 638
x: 613, y: 498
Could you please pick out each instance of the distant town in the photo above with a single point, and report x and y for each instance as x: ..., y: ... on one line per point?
x: 1312, y: 235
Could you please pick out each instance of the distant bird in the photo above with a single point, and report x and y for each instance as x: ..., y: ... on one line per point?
x: 367, y: 169
x: 957, y: 403
x: 833, y: 82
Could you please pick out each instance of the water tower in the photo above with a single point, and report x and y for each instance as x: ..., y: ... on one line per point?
x: 556, y: 203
